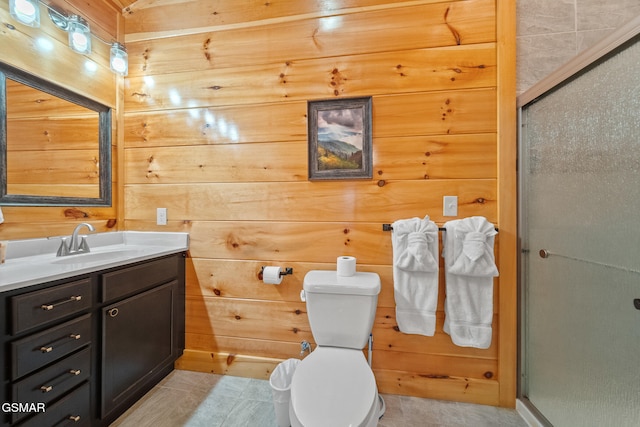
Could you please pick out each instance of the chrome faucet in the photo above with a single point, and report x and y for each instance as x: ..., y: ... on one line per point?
x: 78, y: 244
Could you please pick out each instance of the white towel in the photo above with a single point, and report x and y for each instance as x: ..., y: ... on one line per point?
x: 1, y: 216
x: 415, y: 274
x: 469, y: 270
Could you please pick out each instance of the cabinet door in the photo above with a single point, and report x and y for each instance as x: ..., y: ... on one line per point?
x: 137, y: 339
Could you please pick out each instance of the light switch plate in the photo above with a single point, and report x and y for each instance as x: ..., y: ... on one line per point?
x: 450, y: 206
x: 161, y: 216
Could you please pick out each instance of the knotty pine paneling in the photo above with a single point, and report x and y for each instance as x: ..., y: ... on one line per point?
x: 217, y: 125
x: 435, y: 365
x: 435, y: 157
x: 358, y: 75
x: 149, y: 20
x: 426, y: 26
x: 289, y: 241
x: 311, y: 201
x: 215, y: 130
x: 217, y: 163
x: 226, y: 363
x: 216, y: 344
x: 484, y: 392
x: 399, y: 158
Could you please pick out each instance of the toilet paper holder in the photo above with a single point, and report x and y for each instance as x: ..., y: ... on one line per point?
x: 287, y: 270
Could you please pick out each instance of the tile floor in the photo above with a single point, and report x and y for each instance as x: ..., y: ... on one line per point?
x: 197, y: 399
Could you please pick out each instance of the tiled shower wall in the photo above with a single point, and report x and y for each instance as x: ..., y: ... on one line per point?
x: 551, y: 32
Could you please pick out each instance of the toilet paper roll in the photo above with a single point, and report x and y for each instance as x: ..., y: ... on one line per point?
x: 271, y: 275
x: 346, y: 266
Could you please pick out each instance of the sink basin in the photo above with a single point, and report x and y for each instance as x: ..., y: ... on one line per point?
x: 96, y: 256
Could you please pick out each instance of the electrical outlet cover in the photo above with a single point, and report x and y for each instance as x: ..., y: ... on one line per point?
x: 450, y: 206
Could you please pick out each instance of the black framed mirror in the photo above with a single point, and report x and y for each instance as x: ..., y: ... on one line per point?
x: 55, y: 145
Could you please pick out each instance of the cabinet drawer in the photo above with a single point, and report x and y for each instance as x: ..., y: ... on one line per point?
x: 137, y: 278
x: 38, y: 350
x: 40, y: 307
x: 54, y: 381
x: 72, y: 410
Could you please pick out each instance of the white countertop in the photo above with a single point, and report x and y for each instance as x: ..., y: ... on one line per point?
x: 32, y: 261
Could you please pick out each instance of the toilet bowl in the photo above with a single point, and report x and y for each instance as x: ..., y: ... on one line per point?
x: 334, y: 387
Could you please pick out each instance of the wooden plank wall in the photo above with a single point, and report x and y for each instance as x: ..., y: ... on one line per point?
x: 215, y: 131
x: 53, y: 60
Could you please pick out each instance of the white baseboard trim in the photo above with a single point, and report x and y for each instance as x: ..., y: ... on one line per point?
x: 527, y: 415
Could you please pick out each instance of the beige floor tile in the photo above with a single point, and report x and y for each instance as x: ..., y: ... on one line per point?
x: 195, y: 399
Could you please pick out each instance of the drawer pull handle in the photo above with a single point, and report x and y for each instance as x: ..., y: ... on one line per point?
x: 113, y: 312
x: 48, y: 388
x: 74, y: 418
x: 48, y: 348
x: 48, y: 307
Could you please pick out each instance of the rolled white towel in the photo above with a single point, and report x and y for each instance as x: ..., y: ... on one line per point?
x: 469, y: 271
x: 415, y: 274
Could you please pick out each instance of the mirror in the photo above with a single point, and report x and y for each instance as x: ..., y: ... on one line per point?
x: 55, y: 145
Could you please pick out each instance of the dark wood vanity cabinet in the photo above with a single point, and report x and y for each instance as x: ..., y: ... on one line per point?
x: 81, y: 351
x: 142, y: 330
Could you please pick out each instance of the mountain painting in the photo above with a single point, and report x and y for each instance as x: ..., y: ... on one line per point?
x: 340, y: 139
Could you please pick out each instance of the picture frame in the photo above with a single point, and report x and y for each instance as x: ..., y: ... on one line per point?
x: 339, y: 139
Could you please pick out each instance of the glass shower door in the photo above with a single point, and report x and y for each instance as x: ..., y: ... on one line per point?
x: 580, y: 210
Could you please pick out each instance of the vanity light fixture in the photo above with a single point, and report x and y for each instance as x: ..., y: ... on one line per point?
x: 119, y: 59
x: 79, y: 35
x: 26, y: 12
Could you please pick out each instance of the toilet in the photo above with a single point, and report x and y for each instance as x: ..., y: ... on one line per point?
x: 334, y: 385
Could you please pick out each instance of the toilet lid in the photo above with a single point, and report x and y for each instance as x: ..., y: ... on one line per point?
x: 333, y: 387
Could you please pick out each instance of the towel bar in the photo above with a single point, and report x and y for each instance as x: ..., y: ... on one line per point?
x: 545, y: 253
x: 389, y: 227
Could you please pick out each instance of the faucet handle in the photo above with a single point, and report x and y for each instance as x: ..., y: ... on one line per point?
x: 84, y: 246
x: 63, y: 250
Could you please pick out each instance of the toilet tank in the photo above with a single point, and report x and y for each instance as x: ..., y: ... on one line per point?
x: 341, y: 309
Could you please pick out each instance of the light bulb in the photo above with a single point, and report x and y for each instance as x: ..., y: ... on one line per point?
x: 79, y: 35
x: 119, y: 59
x: 25, y: 11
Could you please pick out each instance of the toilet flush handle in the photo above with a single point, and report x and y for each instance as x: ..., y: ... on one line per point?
x: 303, y: 297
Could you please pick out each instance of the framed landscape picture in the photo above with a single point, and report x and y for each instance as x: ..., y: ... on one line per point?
x: 339, y: 132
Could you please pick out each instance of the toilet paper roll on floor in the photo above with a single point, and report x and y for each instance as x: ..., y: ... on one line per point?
x: 346, y: 266
x: 271, y: 275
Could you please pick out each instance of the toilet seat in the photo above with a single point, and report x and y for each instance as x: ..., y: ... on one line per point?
x: 334, y: 387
